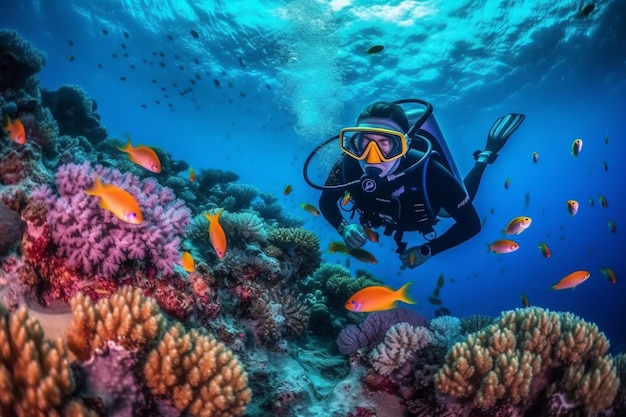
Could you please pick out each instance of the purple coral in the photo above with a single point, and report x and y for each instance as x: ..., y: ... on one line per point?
x: 94, y: 241
x: 372, y: 330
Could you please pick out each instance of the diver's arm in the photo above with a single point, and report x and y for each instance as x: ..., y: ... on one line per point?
x: 445, y: 189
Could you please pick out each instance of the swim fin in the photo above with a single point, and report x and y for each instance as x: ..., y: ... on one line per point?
x: 500, y: 132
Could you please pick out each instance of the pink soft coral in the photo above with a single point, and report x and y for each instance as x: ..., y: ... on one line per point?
x: 96, y: 242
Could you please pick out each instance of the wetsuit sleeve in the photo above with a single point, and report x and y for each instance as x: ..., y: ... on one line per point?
x: 329, y: 199
x: 446, y: 192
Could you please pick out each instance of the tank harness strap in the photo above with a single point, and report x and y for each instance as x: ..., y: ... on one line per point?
x: 398, y: 238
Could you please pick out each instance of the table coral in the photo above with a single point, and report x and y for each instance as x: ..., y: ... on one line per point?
x: 35, y: 377
x: 198, y: 373
x: 515, y: 359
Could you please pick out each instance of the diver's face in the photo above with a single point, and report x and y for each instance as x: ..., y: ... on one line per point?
x: 384, y: 143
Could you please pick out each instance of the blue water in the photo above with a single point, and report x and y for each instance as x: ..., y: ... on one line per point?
x: 292, y: 73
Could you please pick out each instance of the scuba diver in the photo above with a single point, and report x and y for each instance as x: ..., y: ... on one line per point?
x: 397, y: 172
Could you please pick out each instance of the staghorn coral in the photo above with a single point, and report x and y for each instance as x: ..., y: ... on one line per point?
x: 301, y: 248
x: 527, y: 346
x: 94, y: 241
x: 35, y: 376
x: 127, y: 318
x: 401, y: 343
x: 200, y: 375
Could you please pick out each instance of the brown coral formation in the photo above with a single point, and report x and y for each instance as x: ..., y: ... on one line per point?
x: 531, y: 346
x: 35, y: 376
x: 199, y: 374
x: 127, y: 318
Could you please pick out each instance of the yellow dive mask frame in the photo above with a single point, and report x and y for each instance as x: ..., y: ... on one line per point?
x: 350, y: 142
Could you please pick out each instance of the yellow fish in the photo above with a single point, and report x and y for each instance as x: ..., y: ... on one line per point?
x: 310, y: 209
x: 378, y: 298
x: 609, y: 274
x: 572, y: 280
x: 119, y: 202
x: 216, y: 233
x: 517, y: 225
x: 525, y: 301
x: 187, y: 261
x: 346, y: 198
x: 503, y: 246
x: 572, y: 207
x: 142, y: 156
x: 338, y: 247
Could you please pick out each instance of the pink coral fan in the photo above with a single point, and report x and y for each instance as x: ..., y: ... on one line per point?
x: 94, y: 241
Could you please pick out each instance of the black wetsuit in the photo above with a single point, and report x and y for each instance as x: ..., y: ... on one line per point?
x: 401, y: 204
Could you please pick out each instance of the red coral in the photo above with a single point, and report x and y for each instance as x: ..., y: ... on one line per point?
x: 173, y: 299
x: 373, y: 381
x: 244, y: 293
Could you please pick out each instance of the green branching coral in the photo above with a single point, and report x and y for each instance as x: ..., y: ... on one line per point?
x: 528, y: 346
x: 300, y: 246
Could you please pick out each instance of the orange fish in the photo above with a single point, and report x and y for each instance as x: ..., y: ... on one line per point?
x: 507, y: 183
x: 310, y: 209
x: 192, y: 174
x: 372, y: 235
x: 609, y: 274
x: 602, y: 201
x: 15, y: 130
x: 545, y: 250
x: 517, y: 225
x: 187, y: 261
x: 287, y: 190
x: 535, y: 157
x: 525, y: 301
x: 216, y: 233
x: 378, y: 298
x: 577, y: 146
x: 346, y: 198
x: 142, y: 156
x: 572, y: 207
x: 119, y: 202
x: 503, y: 246
x: 572, y: 280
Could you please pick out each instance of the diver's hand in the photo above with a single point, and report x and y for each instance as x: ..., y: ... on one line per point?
x: 415, y: 256
x: 353, y: 235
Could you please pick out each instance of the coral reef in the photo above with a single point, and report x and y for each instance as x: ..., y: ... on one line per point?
x: 198, y: 373
x: 11, y: 228
x: 524, y: 347
x: 93, y: 241
x: 19, y: 60
x: 301, y: 250
x: 401, y: 343
x: 35, y: 376
x: 74, y: 112
x: 127, y: 318
x: 372, y: 330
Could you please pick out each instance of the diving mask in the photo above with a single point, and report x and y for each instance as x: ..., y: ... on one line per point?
x: 372, y: 144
